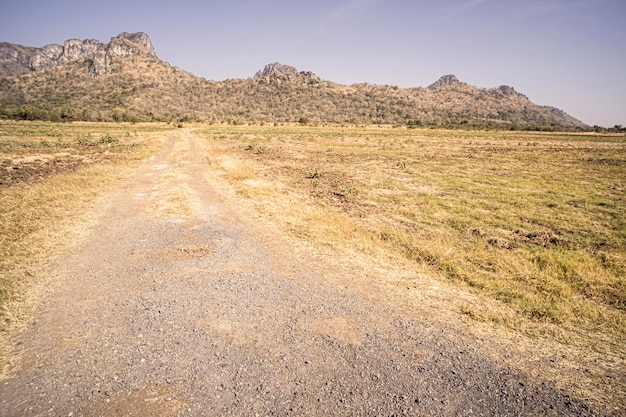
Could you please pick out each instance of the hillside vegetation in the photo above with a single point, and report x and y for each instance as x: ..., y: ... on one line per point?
x: 138, y: 86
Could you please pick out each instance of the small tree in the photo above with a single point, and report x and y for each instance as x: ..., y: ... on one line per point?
x: 118, y: 114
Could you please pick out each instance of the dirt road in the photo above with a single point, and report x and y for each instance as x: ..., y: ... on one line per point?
x: 178, y: 304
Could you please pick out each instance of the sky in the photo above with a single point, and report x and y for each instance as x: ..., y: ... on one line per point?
x: 569, y: 54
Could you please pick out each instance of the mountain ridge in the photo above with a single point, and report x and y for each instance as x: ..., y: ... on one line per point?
x: 18, y: 59
x: 90, y: 80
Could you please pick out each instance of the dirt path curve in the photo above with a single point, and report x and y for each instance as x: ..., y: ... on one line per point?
x: 178, y: 305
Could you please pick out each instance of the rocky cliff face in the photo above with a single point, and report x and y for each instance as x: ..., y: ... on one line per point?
x: 277, y: 72
x: 444, y: 80
x: 276, y: 69
x: 18, y: 59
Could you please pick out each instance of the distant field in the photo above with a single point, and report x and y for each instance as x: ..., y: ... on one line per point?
x: 533, y: 223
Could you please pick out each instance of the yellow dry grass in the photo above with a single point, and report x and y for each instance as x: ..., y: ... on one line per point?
x: 523, y: 232
x: 43, y: 215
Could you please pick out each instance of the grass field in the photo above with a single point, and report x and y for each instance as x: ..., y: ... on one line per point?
x: 52, y: 176
x: 514, y: 232
x: 531, y: 225
x: 531, y: 222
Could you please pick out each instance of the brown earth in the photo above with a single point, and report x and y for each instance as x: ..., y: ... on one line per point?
x: 179, y: 303
x: 16, y: 171
x: 32, y: 168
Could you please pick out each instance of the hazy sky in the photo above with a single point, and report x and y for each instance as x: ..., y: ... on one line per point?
x: 570, y: 54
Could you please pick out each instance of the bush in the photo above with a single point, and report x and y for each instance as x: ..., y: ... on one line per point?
x: 108, y: 139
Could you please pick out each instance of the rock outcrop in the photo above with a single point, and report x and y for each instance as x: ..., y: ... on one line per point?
x: 18, y: 59
x: 503, y: 91
x: 444, y: 80
x: 277, y: 72
x: 276, y: 69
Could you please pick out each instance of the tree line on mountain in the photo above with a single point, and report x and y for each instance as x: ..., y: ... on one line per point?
x: 143, y: 88
x: 31, y: 112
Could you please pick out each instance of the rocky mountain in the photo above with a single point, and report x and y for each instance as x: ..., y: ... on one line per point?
x: 277, y: 72
x: 444, y: 80
x: 18, y: 59
x: 124, y: 80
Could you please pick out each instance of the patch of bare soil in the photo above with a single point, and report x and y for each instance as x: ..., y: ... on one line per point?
x: 17, y: 171
x: 179, y: 305
x: 37, y: 167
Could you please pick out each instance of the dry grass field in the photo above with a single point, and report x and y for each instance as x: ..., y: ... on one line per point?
x: 524, y: 232
x: 532, y: 225
x: 52, y: 179
x: 535, y: 222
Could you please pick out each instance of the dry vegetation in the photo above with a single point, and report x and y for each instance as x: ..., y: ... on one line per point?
x: 51, y: 178
x: 534, y: 221
x: 532, y: 225
x: 143, y: 88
